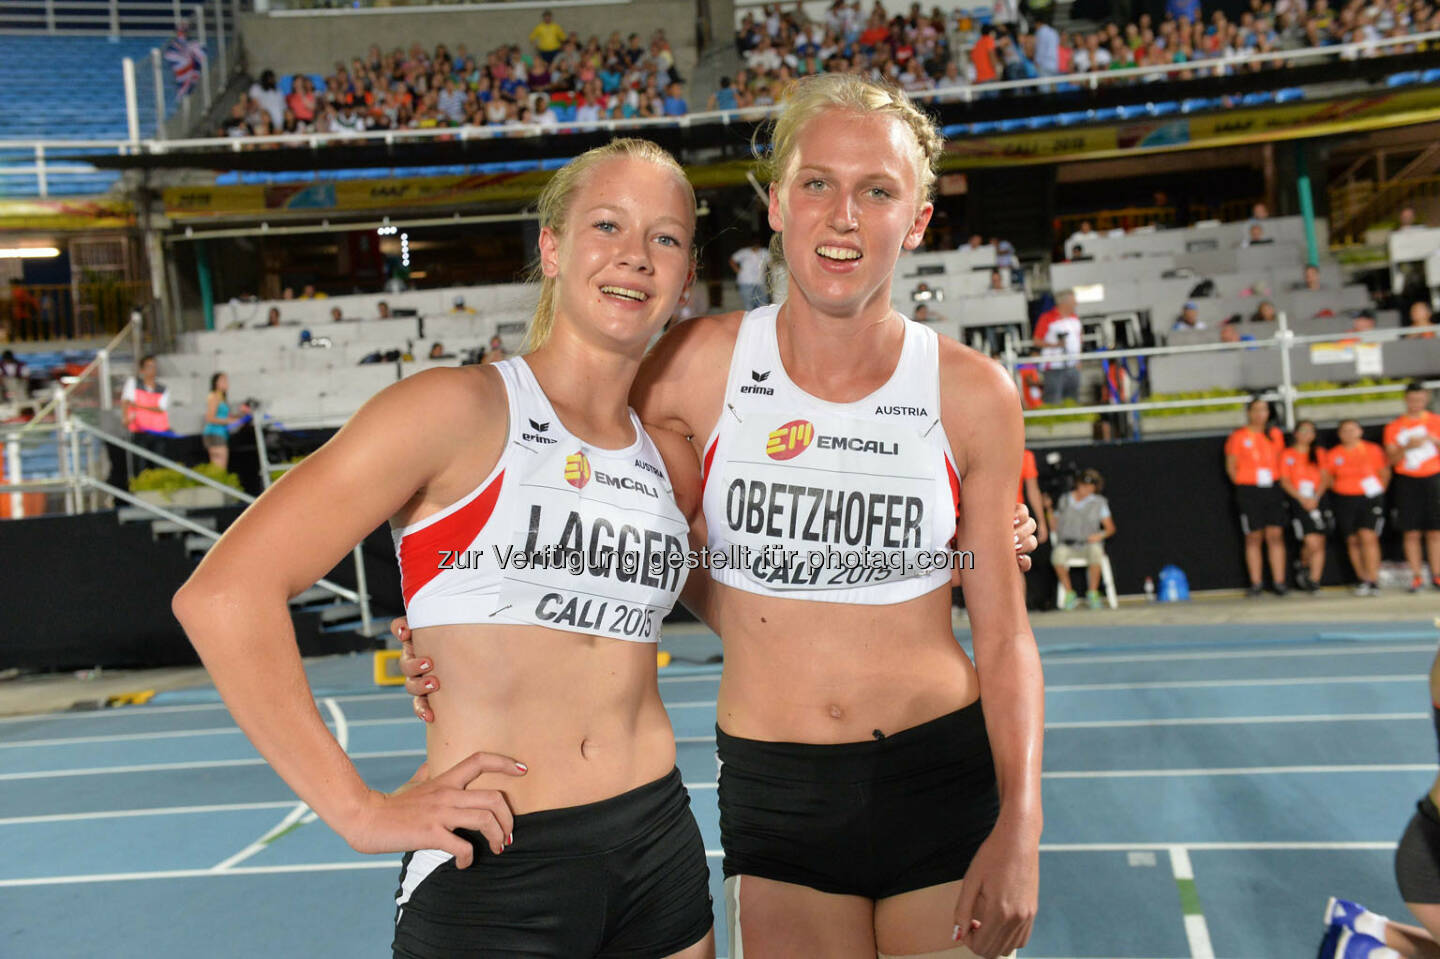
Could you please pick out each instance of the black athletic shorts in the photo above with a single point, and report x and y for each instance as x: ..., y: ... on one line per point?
x: 1354, y: 513
x: 1260, y: 506
x: 1417, y: 501
x: 624, y: 878
x: 873, y: 818
x: 1417, y: 858
x: 1304, y: 522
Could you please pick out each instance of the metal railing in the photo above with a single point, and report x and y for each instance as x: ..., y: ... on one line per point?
x: 1286, y: 391
x: 51, y: 311
x: 133, y: 18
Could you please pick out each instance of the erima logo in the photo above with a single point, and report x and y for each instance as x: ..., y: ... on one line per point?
x: 577, y: 470
x: 535, y: 437
x: 901, y: 411
x: 759, y: 378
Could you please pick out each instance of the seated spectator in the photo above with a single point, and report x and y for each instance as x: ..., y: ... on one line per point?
x: 1078, y: 255
x: 1256, y: 236
x: 724, y: 98
x: 268, y: 97
x: 923, y: 314
x: 1422, y: 316
x: 495, y: 352
x: 1363, y: 322
x: 1230, y: 332
x: 273, y: 318
x: 457, y: 305
x: 1312, y: 278
x: 382, y: 310
x: 675, y: 105
x: 437, y: 352
x: 1260, y: 211
x: 1264, y: 313
x: 1060, y: 335
x: 1080, y: 237
x: 1080, y: 522
x: 997, y: 282
x: 1407, y: 219
x: 1189, y: 318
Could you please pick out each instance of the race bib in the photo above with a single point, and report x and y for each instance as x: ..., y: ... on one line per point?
x: 1264, y: 478
x: 1371, y: 487
x: 1307, y: 488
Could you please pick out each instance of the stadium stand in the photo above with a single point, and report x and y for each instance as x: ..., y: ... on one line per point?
x: 88, y: 105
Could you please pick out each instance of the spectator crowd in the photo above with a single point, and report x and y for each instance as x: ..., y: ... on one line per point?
x: 933, y: 51
x: 557, y: 79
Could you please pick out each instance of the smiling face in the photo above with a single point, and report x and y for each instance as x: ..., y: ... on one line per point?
x: 847, y: 204
x: 622, y: 259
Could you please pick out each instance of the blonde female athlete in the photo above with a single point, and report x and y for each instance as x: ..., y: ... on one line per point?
x: 536, y: 536
x: 869, y: 803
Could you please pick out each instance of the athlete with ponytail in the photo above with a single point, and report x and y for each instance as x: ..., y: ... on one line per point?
x: 570, y: 834
x: 879, y: 791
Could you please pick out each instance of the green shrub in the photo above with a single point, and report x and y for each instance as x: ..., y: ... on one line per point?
x: 164, y: 480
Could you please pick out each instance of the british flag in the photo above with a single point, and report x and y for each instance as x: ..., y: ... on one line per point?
x: 186, y: 58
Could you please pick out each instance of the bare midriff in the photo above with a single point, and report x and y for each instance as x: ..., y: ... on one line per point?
x: 582, y: 712
x: 826, y: 673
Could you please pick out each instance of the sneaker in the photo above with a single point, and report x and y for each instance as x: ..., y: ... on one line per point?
x: 1342, y: 912
x: 1355, y: 917
x: 1254, y: 592
x: 1354, y: 945
x: 1312, y: 587
x: 1435, y: 582
x: 1094, y: 600
x: 1302, y: 579
x: 1362, y: 589
x: 1072, y: 599
x: 1281, y: 589
x: 1374, y: 589
x: 1417, y: 583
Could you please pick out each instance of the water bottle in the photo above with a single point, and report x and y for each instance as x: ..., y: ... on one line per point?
x: 1149, y: 589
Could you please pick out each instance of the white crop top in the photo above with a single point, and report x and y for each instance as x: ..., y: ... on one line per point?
x: 561, y: 534
x: 835, y: 502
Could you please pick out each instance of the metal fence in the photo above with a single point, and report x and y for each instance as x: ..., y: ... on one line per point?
x: 45, y: 312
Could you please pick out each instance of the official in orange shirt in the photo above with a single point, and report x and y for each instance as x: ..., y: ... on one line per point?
x: 1030, y: 486
x: 1357, y: 473
x: 1252, y: 461
x: 1304, y: 486
x: 1412, y: 442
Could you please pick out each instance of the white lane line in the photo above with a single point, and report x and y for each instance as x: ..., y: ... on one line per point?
x: 1238, y: 720
x: 1062, y: 659
x: 97, y: 713
x: 197, y: 764
x: 181, y: 733
x: 156, y: 811
x: 1237, y: 771
x: 199, y: 873
x: 1266, y: 846
x: 709, y: 853
x: 1197, y: 933
x: 1223, y: 683
x: 293, y: 817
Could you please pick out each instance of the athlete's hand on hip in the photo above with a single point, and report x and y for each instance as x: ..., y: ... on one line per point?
x: 1025, y: 541
x: 1000, y: 893
x: 418, y: 681
x: 424, y: 815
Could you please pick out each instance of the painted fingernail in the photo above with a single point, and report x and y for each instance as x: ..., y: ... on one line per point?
x: 1017, y: 539
x: 522, y: 767
x: 956, y: 934
x: 510, y: 839
x: 426, y: 665
x: 429, y: 684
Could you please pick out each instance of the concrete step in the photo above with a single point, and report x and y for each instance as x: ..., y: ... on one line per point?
x: 315, y: 594
x: 196, y: 544
x: 338, y: 612
x: 162, y: 527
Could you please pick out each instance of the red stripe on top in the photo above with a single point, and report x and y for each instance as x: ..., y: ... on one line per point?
x: 420, y: 550
x: 705, y: 469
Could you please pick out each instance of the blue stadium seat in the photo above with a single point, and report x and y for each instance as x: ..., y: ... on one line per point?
x: 1011, y: 125
x: 1131, y: 110
x: 1040, y: 123
x: 1403, y: 79
x: 1431, y: 75
x: 1105, y: 113
x: 1258, y: 99
x: 1164, y: 109
x: 1196, y: 104
x: 1071, y: 117
x: 983, y: 127
x: 955, y: 130
x: 554, y: 163
x: 1289, y: 95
